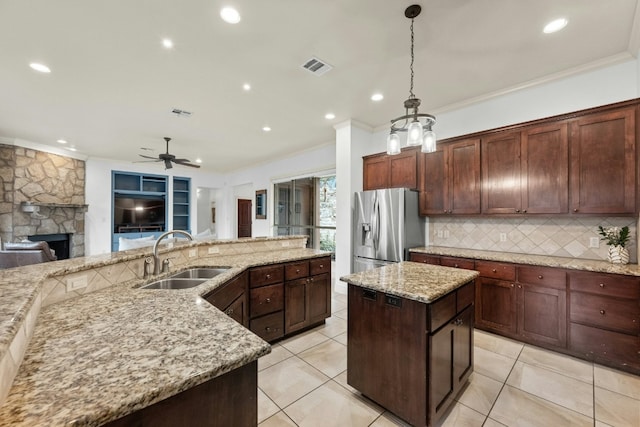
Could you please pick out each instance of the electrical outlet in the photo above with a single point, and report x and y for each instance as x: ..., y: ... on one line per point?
x: 446, y: 234
x: 214, y: 250
x: 75, y: 283
x: 440, y: 234
x: 285, y: 243
x: 193, y: 252
x: 594, y: 242
x: 503, y: 237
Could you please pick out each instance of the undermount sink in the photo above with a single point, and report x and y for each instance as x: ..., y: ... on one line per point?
x: 200, y: 273
x: 174, y: 283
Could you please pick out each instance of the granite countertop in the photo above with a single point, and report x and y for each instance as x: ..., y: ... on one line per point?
x: 412, y: 280
x: 101, y: 356
x: 540, y: 260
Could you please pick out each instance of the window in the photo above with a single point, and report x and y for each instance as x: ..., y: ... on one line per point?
x: 307, y: 206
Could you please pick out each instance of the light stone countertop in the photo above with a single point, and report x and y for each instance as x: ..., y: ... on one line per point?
x: 540, y: 260
x: 106, y: 354
x: 416, y: 281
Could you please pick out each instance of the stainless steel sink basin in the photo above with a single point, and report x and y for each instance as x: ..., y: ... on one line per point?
x: 200, y: 273
x: 173, y: 283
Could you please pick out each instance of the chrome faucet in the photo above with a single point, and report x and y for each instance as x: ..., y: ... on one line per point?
x: 156, y: 258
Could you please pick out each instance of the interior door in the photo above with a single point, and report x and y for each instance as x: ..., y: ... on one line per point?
x: 244, y: 218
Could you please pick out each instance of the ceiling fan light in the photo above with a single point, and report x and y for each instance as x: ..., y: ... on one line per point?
x: 393, y: 143
x: 414, y: 133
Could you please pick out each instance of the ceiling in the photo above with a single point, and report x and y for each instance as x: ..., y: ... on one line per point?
x: 113, y: 85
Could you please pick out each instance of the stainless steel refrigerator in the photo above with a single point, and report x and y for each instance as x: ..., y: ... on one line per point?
x: 385, y: 224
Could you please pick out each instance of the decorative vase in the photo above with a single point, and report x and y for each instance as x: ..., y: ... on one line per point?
x: 618, y: 255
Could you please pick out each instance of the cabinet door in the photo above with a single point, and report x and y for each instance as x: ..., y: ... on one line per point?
x: 237, y: 310
x: 463, y: 171
x: 376, y: 172
x: 318, y: 298
x: 603, y: 163
x: 545, y: 169
x: 542, y: 315
x: 403, y: 170
x: 296, y: 305
x: 434, y: 187
x: 427, y: 259
x: 496, y: 305
x: 501, y: 174
x: 463, y: 348
x: 442, y: 380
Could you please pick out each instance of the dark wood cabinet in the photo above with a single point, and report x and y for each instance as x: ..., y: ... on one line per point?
x: 231, y: 298
x: 451, y: 179
x: 392, y: 361
x: 308, y: 299
x: 545, y: 169
x: 604, y: 316
x: 266, y: 301
x: 496, y: 305
x: 425, y: 258
x: 384, y: 171
x: 501, y: 172
x: 603, y: 162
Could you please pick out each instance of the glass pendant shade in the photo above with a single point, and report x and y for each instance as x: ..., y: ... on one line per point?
x: 414, y: 133
x: 429, y: 142
x: 393, y: 144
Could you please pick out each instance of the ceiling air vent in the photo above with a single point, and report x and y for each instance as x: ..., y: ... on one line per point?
x: 181, y: 113
x: 316, y: 66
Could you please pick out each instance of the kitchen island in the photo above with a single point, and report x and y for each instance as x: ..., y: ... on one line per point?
x: 116, y: 350
x: 410, y: 337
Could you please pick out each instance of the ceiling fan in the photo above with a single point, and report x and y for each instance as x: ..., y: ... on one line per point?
x: 169, y: 158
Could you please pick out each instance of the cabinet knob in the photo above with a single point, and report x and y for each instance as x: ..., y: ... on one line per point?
x: 517, y: 210
x: 268, y: 329
x: 321, y: 265
x: 311, y: 279
x: 602, y: 285
x: 575, y: 210
x: 494, y: 270
x: 229, y: 312
x: 297, y: 270
x: 513, y: 285
x: 540, y: 277
x: 445, y: 211
x: 524, y: 211
x: 455, y: 265
x: 268, y: 300
x: 519, y: 286
x: 268, y: 276
x: 458, y: 322
x: 602, y: 312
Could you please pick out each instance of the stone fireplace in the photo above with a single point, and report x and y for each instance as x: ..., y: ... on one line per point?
x: 42, y: 194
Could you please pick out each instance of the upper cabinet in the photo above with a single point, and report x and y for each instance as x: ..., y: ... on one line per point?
x: 603, y: 162
x: 451, y: 179
x: 501, y: 174
x: 384, y: 171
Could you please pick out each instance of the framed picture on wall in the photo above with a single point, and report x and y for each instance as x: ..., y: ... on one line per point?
x: 261, y: 204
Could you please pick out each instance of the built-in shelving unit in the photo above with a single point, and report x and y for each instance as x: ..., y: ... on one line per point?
x: 181, y: 198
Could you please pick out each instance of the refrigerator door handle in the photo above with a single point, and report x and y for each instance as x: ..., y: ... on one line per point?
x: 376, y: 223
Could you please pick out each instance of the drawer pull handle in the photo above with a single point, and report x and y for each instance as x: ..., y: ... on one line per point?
x: 602, y: 285
x: 494, y: 270
x: 268, y: 300
x: 602, y: 312
x: 540, y: 277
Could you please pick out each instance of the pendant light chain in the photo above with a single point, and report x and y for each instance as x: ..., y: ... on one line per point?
x: 411, y: 95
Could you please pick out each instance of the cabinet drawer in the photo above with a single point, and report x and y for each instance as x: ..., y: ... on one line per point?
x: 267, y: 275
x: 606, y: 312
x: 296, y: 270
x: 427, y: 259
x: 266, y: 299
x: 465, y: 296
x: 223, y: 296
x: 496, y: 270
x: 467, y: 264
x: 549, y: 277
x: 319, y: 266
x: 605, y: 284
x: 269, y: 327
x: 441, y: 311
x: 600, y: 344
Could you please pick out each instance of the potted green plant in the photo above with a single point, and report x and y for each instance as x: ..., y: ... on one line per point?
x: 616, y: 238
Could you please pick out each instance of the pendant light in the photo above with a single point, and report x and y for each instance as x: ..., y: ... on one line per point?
x: 418, y: 126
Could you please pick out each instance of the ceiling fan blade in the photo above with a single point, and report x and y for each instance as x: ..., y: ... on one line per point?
x: 145, y: 161
x: 185, y: 162
x: 149, y: 157
x: 182, y: 160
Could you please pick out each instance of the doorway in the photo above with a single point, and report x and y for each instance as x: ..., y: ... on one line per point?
x: 244, y: 218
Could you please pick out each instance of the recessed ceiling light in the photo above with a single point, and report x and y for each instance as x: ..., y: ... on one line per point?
x: 61, y: 141
x: 198, y: 160
x: 377, y: 97
x: 230, y: 15
x: 246, y: 86
x: 555, y: 25
x: 167, y: 43
x: 329, y: 116
x: 72, y: 149
x: 40, y: 67
x: 266, y: 129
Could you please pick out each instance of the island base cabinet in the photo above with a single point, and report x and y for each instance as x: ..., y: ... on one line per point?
x: 396, y: 359
x: 228, y: 400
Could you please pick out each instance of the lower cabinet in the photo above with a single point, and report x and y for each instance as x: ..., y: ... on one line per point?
x: 231, y: 298
x: 392, y: 361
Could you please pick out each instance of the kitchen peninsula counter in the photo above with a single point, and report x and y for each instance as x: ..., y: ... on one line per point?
x: 97, y: 357
x: 530, y: 259
x: 410, y: 337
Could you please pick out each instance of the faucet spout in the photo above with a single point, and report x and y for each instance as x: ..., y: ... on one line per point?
x: 156, y: 258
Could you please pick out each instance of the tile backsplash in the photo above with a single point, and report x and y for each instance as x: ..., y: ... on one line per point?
x: 556, y: 236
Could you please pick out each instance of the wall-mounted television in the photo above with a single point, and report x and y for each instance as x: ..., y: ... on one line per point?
x: 138, y: 213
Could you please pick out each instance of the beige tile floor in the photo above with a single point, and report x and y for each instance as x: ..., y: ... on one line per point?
x: 303, y: 382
